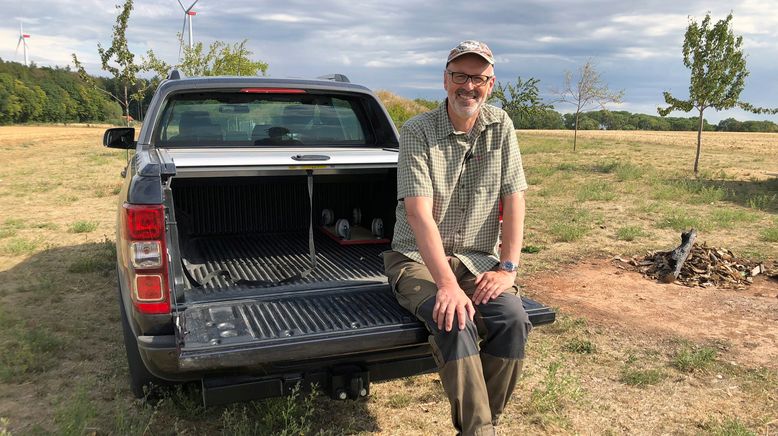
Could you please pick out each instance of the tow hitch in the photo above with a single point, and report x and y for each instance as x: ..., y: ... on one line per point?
x: 349, y: 382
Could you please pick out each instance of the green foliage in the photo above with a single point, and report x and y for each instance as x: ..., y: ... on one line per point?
x: 220, y: 59
x: 629, y: 233
x: 580, y: 346
x: 400, y: 109
x: 596, y: 190
x: 83, y: 227
x: 641, y: 377
x: 555, y: 391
x: 429, y: 104
x: 33, y: 94
x: 75, y: 414
x: 690, y: 358
x: 770, y: 234
x: 521, y: 101
x: 570, y: 225
x: 27, y: 349
x: 18, y: 246
x: 290, y: 415
x: 718, y: 71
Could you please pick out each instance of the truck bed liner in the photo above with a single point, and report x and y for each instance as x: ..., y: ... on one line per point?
x: 291, y: 326
x: 274, y: 257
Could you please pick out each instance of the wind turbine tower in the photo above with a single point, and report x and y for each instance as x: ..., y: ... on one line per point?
x: 23, y: 42
x: 188, y: 14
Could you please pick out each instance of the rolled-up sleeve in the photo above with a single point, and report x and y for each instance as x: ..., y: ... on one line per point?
x: 513, y: 179
x: 413, y: 165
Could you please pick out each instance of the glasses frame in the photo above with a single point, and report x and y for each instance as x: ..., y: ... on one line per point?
x: 470, y: 78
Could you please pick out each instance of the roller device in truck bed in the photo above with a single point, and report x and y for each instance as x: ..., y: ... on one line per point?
x: 250, y: 229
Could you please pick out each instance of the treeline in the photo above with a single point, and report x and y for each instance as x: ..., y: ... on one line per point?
x: 623, y: 120
x: 51, y: 95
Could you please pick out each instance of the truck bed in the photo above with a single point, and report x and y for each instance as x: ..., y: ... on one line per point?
x: 274, y: 257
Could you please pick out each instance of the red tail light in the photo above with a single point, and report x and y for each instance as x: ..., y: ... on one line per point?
x: 145, y: 254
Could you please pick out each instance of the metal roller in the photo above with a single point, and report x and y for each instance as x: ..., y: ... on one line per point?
x: 377, y: 227
x: 327, y: 217
x: 343, y: 228
x: 356, y: 216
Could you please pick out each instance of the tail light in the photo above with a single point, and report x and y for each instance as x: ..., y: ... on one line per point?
x: 143, y: 242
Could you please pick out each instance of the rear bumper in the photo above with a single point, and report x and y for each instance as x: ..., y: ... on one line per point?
x: 365, y: 345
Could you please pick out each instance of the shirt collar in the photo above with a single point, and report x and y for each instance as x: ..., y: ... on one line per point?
x: 444, y: 128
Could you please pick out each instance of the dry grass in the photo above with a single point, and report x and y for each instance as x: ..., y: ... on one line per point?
x: 621, y: 193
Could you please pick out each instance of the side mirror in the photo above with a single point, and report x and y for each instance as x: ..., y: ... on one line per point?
x: 119, y: 137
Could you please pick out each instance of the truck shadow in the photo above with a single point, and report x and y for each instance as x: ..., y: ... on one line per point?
x: 60, y: 327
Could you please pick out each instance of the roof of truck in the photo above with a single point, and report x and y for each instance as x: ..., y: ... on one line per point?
x: 215, y: 82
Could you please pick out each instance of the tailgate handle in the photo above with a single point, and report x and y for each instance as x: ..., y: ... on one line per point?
x: 309, y: 157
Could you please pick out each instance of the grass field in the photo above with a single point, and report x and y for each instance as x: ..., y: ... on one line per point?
x: 62, y: 364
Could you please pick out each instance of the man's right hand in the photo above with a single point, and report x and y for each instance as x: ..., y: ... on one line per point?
x: 451, y: 300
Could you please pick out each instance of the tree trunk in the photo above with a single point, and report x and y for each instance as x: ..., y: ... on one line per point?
x: 126, y: 108
x: 699, y: 142
x: 679, y: 255
x: 575, y: 134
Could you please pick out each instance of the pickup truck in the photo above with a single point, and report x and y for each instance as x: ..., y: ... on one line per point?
x: 250, y: 229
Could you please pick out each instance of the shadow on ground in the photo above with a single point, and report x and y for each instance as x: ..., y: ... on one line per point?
x: 60, y: 332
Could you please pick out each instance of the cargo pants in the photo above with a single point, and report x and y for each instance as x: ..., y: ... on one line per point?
x: 478, y: 383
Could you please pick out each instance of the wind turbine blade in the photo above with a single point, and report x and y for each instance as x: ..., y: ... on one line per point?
x: 19, y: 43
x: 182, y: 6
x: 190, y: 7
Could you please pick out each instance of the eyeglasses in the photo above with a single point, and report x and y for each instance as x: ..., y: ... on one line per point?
x: 462, y: 78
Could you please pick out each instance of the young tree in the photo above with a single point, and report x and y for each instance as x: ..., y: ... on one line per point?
x: 520, y: 101
x: 585, y: 92
x: 124, y: 69
x: 221, y: 59
x: 718, y: 70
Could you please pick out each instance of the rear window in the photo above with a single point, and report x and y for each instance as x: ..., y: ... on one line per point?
x: 240, y: 119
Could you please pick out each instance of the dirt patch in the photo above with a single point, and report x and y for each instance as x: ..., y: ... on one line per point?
x: 743, y: 323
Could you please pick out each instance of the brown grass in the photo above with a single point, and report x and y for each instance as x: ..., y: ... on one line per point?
x: 51, y: 284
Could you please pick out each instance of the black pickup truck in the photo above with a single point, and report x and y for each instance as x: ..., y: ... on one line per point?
x: 250, y: 228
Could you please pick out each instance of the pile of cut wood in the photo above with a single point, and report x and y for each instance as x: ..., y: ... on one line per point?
x: 692, y: 264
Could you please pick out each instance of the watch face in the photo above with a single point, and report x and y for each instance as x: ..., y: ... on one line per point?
x: 508, y: 266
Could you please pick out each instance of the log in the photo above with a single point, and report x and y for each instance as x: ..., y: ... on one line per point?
x: 679, y: 255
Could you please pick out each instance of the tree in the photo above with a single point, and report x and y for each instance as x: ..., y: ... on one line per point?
x: 718, y: 71
x: 221, y: 59
x: 520, y: 101
x: 123, y: 69
x: 585, y: 92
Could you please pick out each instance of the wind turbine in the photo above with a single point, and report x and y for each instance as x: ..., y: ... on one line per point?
x: 188, y: 14
x: 23, y: 42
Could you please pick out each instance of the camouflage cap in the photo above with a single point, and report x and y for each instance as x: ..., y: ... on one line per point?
x: 474, y: 47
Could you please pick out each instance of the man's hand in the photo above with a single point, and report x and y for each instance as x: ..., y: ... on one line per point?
x: 491, y: 284
x: 452, y: 300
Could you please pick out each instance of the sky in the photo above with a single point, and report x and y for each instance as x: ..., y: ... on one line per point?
x: 401, y: 46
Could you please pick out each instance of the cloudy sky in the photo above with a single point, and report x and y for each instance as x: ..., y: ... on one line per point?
x: 401, y: 45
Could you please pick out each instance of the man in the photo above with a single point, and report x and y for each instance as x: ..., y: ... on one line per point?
x: 456, y: 164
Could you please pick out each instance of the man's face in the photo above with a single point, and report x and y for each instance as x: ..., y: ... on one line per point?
x: 466, y: 99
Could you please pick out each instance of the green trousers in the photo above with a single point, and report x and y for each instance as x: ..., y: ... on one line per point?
x: 479, y: 365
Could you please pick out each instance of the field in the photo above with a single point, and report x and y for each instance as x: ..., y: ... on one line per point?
x: 627, y: 355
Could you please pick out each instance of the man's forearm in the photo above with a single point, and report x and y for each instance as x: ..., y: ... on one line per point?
x: 514, y: 208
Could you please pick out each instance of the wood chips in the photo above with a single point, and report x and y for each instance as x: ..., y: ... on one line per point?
x: 705, y: 266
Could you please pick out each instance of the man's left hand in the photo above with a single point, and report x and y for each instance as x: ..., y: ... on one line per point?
x: 491, y: 284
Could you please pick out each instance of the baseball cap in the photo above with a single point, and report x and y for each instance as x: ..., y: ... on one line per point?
x: 471, y: 46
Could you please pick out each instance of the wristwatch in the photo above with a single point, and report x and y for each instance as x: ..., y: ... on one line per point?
x: 509, y: 266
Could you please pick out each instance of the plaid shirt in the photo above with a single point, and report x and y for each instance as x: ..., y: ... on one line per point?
x: 465, y: 175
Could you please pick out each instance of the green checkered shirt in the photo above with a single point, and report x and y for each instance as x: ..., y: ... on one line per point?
x: 465, y: 175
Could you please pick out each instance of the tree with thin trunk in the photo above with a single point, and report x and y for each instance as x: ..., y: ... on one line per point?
x: 117, y: 60
x: 718, y: 71
x: 586, y: 91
